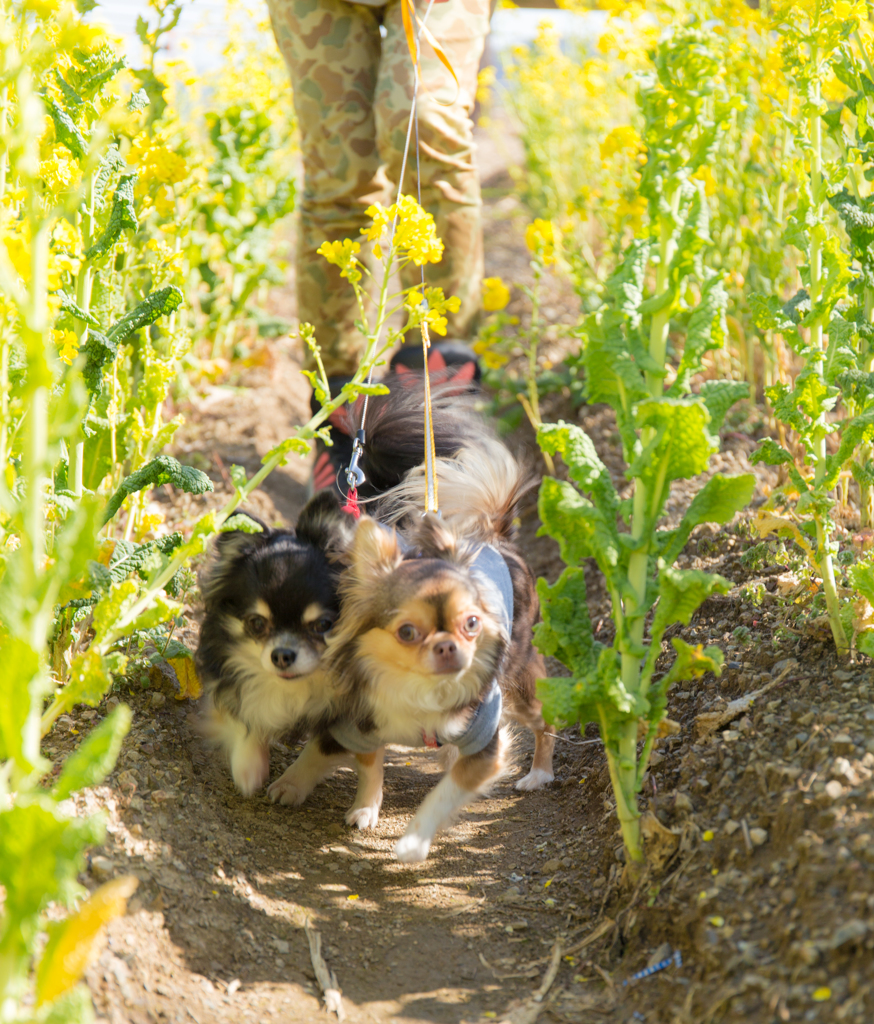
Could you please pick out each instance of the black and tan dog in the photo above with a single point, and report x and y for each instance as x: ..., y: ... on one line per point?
x: 271, y: 602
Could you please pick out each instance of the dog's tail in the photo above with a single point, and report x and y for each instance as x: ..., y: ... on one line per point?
x: 480, y: 491
x: 395, y: 426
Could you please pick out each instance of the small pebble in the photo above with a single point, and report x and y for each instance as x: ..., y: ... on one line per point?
x: 758, y: 836
x: 102, y: 868
x: 834, y: 789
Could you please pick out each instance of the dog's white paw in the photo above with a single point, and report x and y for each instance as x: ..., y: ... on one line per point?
x: 411, y: 849
x: 363, y: 817
x: 289, y: 791
x: 250, y: 766
x: 536, y: 778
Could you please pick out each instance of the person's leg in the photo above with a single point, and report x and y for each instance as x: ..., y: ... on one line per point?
x: 332, y: 49
x: 449, y: 178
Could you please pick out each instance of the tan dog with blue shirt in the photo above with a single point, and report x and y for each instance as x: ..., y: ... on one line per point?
x: 433, y: 645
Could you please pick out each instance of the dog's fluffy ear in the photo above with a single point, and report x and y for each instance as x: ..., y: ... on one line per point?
x: 252, y: 533
x: 230, y: 545
x: 375, y: 550
x: 325, y: 525
x: 434, y: 540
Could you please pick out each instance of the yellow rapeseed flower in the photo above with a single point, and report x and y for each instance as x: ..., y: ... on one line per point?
x: 68, y: 345
x: 415, y: 236
x: 624, y: 139
x: 158, y: 165
x: 342, y: 254
x: 540, y: 239
x: 59, y: 171
x: 496, y: 294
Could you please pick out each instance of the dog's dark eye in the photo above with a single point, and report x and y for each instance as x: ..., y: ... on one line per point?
x: 257, y: 625
x: 407, y: 633
x: 323, y: 625
x: 472, y: 625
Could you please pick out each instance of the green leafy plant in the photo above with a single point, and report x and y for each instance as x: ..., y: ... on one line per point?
x: 833, y: 341
x: 668, y: 432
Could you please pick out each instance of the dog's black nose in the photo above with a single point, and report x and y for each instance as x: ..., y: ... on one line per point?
x: 445, y: 648
x: 283, y: 657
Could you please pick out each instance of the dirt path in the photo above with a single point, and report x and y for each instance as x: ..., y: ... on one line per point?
x: 767, y: 891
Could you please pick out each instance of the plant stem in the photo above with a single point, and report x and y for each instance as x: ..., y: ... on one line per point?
x: 4, y: 156
x: 626, y: 804
x: 866, y: 452
x: 817, y: 341
x: 83, y: 301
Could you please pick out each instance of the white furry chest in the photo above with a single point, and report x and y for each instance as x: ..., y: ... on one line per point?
x: 405, y: 708
x: 270, y: 705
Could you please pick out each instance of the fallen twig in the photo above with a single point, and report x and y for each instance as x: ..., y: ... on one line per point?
x: 746, y: 831
x: 530, y: 1010
x: 603, y: 928
x: 551, y: 972
x: 324, y: 975
x: 710, y: 721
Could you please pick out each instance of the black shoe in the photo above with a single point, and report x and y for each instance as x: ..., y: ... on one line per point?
x: 449, y: 362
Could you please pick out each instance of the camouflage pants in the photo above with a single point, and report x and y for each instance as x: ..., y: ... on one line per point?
x: 353, y: 88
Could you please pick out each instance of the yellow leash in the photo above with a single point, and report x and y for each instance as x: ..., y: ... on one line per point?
x: 408, y: 14
x: 431, y: 504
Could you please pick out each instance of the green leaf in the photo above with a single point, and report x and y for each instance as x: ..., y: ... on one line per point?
x: 769, y: 315
x: 41, y: 855
x: 865, y: 642
x: 110, y: 165
x: 158, y: 304
x: 89, y: 680
x: 862, y: 577
x: 163, y: 469
x: 65, y: 129
x: 717, y: 502
x: 771, y: 453
x: 706, y: 331
x: 599, y: 692
x: 69, y: 306
x: 123, y: 217
x: 128, y: 557
x: 352, y: 391
x: 74, y: 1006
x: 95, y: 757
x: 585, y: 467
x: 71, y: 97
x: 681, y: 447
x: 581, y: 529
x: 242, y: 523
x: 840, y: 356
x: 99, y: 350
x: 681, y: 593
x: 561, y: 700
x: 691, y: 663
x: 298, y: 445
x: 857, y: 431
x: 19, y: 698
x: 566, y: 630
x: 719, y: 396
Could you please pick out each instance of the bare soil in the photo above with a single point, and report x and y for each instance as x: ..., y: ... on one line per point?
x: 766, y: 886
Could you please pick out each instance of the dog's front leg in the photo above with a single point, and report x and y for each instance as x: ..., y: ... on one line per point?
x: 317, y: 760
x: 250, y: 760
x: 365, y: 811
x: 468, y: 777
